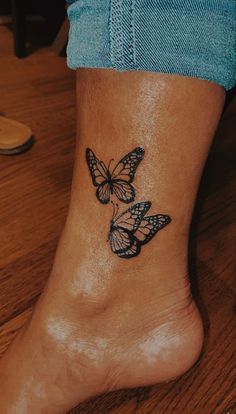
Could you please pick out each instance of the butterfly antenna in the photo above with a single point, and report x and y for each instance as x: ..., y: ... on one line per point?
x: 110, y: 164
x: 103, y: 165
x: 113, y: 206
x: 117, y: 209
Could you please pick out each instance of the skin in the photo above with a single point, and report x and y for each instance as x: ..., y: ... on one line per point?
x: 106, y: 323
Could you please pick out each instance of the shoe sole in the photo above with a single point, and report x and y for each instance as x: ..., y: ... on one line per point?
x: 20, y: 149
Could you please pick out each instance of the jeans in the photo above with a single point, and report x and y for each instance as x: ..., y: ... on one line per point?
x: 187, y: 37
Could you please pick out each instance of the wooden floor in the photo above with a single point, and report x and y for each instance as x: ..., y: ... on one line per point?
x: 34, y: 194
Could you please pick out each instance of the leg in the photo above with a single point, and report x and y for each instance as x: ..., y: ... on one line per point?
x: 105, y: 322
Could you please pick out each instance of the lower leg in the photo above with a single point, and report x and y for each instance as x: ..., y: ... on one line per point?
x: 105, y: 322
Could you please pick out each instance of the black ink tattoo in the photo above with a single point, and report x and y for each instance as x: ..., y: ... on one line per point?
x: 132, y: 229
x: 117, y: 181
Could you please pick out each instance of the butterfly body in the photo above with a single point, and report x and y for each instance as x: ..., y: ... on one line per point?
x: 117, y: 181
x: 130, y: 230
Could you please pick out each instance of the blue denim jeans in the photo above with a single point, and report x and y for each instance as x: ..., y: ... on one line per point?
x: 186, y: 37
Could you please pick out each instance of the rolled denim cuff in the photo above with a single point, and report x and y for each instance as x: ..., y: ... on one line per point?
x: 186, y: 37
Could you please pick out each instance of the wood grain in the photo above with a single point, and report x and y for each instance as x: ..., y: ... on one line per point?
x: 34, y: 194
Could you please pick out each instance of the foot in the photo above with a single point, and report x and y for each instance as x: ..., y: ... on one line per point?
x: 99, y: 326
x: 105, y: 322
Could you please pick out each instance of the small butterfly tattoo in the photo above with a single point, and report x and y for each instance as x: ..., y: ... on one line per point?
x: 116, y: 181
x: 131, y: 229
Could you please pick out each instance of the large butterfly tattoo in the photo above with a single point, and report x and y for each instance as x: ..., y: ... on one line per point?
x: 131, y: 229
x: 117, y: 181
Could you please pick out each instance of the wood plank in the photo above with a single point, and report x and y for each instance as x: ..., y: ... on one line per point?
x: 10, y: 329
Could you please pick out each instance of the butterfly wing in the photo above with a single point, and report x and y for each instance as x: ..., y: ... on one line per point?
x: 149, y: 226
x: 127, y: 166
x: 132, y: 251
x: 131, y: 229
x: 123, y: 174
x: 124, y: 191
x: 100, y: 176
x: 147, y: 229
x: 121, y: 235
x: 120, y: 240
x: 103, y: 192
x: 98, y: 170
x: 130, y: 219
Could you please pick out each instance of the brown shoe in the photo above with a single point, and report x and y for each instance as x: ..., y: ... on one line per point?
x: 15, y: 137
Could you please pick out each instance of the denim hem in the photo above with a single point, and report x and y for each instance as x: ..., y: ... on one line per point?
x: 121, y: 29
x: 193, y: 38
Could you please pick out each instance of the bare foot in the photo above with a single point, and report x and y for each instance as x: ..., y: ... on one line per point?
x: 98, y: 328
x: 105, y: 322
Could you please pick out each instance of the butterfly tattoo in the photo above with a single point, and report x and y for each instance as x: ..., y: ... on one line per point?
x: 131, y: 229
x: 116, y: 181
